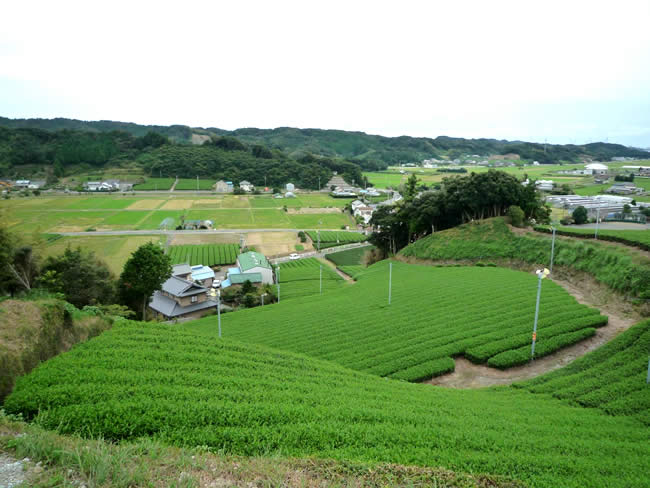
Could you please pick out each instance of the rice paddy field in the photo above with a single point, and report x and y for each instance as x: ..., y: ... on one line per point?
x: 51, y: 214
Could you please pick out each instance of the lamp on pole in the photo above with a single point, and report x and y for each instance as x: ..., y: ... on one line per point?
x: 262, y: 297
x: 541, y: 274
x: 277, y: 276
x: 216, y: 293
x: 552, y: 248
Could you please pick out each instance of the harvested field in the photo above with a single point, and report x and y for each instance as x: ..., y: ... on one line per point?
x: 274, y: 243
x: 177, y: 205
x: 145, y: 205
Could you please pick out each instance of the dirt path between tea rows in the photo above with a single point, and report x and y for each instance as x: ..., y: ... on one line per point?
x: 470, y: 375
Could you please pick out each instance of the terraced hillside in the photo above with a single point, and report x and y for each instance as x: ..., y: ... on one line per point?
x: 623, y: 270
x: 436, y: 314
x: 611, y: 379
x: 159, y: 381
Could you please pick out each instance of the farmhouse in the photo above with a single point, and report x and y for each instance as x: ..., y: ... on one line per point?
x: 180, y: 297
x: 596, y: 169
x: 246, y: 186
x: 255, y: 262
x: 638, y: 170
x: 624, y: 188
x: 99, y: 186
x: 197, y: 224
x: 224, y: 186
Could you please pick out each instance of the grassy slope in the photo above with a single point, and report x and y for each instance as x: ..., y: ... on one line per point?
x: 154, y: 380
x: 33, y: 331
x: 622, y: 270
x: 436, y: 313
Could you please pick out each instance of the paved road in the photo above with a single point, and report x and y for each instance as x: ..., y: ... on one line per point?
x: 323, y: 253
x: 171, y: 232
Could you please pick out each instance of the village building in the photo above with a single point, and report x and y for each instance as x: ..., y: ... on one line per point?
x: 290, y: 187
x: 246, y: 186
x: 197, y: 225
x: 596, y: 169
x: 224, y: 186
x: 638, y: 170
x: 255, y: 262
x: 251, y: 266
x: 624, y: 188
x: 180, y: 297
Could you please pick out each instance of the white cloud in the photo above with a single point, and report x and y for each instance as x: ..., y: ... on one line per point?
x: 418, y: 68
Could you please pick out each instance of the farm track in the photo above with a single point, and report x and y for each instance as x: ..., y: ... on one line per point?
x: 469, y: 375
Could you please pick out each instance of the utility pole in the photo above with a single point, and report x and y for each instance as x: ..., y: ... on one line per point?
x: 597, y: 221
x: 552, y: 248
x: 219, y: 310
x: 319, y: 183
x: 541, y: 274
x: 390, y: 280
x: 278, y: 278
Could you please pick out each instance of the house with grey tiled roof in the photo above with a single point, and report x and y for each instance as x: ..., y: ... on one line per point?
x: 180, y: 297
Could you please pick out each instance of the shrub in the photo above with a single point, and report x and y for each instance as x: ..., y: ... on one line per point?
x: 516, y: 215
x: 580, y: 215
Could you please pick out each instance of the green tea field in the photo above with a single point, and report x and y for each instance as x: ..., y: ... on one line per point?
x: 205, y: 254
x: 302, y: 278
x: 152, y: 380
x: 451, y: 312
x: 637, y: 238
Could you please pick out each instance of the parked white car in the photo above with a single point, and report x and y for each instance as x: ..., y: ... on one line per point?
x: 294, y: 255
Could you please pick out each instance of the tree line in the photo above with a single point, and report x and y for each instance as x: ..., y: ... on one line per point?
x: 80, y: 277
x: 459, y: 200
x: 222, y: 157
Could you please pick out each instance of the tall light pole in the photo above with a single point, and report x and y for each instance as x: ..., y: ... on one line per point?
x: 541, y: 274
x: 216, y: 293
x: 552, y: 248
x: 278, y: 278
x: 390, y: 280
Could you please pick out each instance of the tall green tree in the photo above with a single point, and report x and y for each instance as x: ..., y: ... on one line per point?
x: 144, y: 272
x: 80, y: 276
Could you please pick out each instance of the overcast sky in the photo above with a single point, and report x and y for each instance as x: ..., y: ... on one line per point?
x: 565, y: 71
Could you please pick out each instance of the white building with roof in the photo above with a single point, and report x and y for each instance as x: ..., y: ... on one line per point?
x: 596, y: 169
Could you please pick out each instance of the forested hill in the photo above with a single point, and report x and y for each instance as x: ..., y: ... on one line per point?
x: 30, y: 153
x: 370, y: 151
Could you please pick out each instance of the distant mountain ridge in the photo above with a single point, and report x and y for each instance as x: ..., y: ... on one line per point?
x: 373, y: 151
